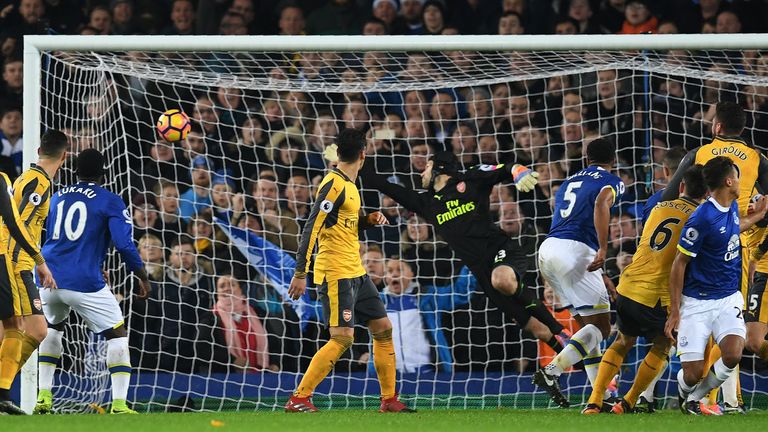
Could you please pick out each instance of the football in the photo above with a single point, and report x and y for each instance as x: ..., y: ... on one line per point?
x: 173, y: 125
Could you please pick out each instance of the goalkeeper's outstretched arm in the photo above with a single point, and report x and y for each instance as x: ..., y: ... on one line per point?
x: 407, y: 198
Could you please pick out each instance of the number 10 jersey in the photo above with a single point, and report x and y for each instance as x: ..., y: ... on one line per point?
x: 646, y: 279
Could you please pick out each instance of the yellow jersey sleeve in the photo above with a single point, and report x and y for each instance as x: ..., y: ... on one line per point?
x: 10, y: 213
x: 31, y: 193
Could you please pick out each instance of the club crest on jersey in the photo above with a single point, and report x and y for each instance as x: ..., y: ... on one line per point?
x: 461, y: 187
x: 683, y: 341
x: 486, y: 167
x: 35, y: 199
x: 347, y: 315
x: 37, y: 304
x: 326, y: 206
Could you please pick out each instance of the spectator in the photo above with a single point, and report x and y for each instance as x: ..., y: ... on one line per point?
x: 612, y: 114
x: 245, y: 336
x: 163, y: 163
x: 145, y: 218
x: 182, y: 18
x: 297, y: 198
x: 222, y: 195
x: 229, y: 106
x: 11, y: 139
x: 287, y: 149
x: 292, y: 22
x: 280, y: 225
x: 638, y: 18
x: 429, y: 256
x: 170, y: 222
x: 668, y: 27
x: 624, y: 257
x: 336, y: 17
x: 433, y: 17
x: 233, y: 24
x: 28, y: 19
x: 531, y: 145
x: 246, y: 9
x: 356, y: 114
x: 13, y: 80
x: 464, y: 144
x: 386, y: 11
x: 581, y: 11
x: 444, y: 116
x: 183, y: 300
x: 612, y: 15
x: 123, y: 22
x: 411, y: 11
x: 728, y: 22
x: 194, y: 145
x: 198, y: 196
x: 488, y: 150
x: 152, y: 254
x: 569, y: 26
x: 373, y: 261
x: 511, y: 23
x: 324, y: 131
x: 101, y: 20
x: 374, y: 27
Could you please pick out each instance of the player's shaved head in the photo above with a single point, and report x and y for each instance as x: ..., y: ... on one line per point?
x: 693, y: 178
x: 90, y: 165
x: 717, y: 170
x: 731, y: 118
x: 53, y: 144
x: 601, y: 151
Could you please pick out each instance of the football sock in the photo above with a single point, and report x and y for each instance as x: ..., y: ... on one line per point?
x: 119, y: 365
x: 729, y: 389
x: 712, y: 356
x: 536, y: 309
x: 591, y: 363
x: 609, y: 367
x: 648, y: 393
x: 50, y: 354
x: 715, y: 378
x: 384, y: 362
x: 580, y: 345
x: 322, y: 363
x: 647, y: 374
x: 28, y: 346
x: 10, y: 353
x: 681, y: 382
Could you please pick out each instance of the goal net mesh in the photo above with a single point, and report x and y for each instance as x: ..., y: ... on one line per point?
x: 218, y: 216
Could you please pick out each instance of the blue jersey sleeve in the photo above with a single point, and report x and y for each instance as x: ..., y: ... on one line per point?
x: 694, y: 232
x: 618, y: 188
x: 120, y: 229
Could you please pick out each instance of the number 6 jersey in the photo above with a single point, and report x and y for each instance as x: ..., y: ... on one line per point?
x: 84, y: 220
x: 574, y: 215
x: 646, y: 279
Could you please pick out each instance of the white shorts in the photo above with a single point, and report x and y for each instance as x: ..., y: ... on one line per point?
x: 701, y: 318
x: 563, y: 263
x: 99, y: 309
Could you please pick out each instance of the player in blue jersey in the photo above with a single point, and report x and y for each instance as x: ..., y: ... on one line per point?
x: 669, y: 168
x: 571, y: 260
x: 84, y: 219
x: 705, y: 285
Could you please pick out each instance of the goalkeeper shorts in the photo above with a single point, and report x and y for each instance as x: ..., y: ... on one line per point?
x: 349, y: 301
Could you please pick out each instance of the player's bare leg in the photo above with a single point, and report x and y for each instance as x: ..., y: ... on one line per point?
x: 384, y: 363
x: 541, y: 324
x: 321, y: 365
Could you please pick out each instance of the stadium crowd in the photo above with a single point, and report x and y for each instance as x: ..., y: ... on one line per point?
x: 253, y: 158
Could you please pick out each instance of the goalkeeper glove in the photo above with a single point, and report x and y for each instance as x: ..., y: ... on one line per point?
x: 524, y: 177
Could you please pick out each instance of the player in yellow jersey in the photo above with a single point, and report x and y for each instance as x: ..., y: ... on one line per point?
x: 345, y: 290
x: 14, y: 295
x: 31, y: 193
x: 643, y: 295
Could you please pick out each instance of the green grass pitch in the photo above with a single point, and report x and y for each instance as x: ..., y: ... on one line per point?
x: 507, y: 420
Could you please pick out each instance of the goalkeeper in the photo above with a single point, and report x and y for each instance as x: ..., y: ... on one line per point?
x: 457, y: 205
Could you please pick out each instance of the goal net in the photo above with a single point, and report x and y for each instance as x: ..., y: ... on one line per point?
x: 218, y: 217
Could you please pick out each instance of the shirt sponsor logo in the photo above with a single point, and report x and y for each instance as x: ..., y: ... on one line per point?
x: 733, y: 248
x: 454, y: 210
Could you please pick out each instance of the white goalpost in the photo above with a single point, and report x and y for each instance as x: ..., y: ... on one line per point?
x: 265, y: 107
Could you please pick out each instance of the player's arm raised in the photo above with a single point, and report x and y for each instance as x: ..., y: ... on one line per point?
x: 370, y: 220
x: 672, y: 191
x: 603, y: 204
x: 407, y: 198
x: 325, y: 203
x: 120, y: 222
x: 10, y: 215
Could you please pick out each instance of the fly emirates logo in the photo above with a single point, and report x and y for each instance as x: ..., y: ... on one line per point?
x: 454, y: 210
